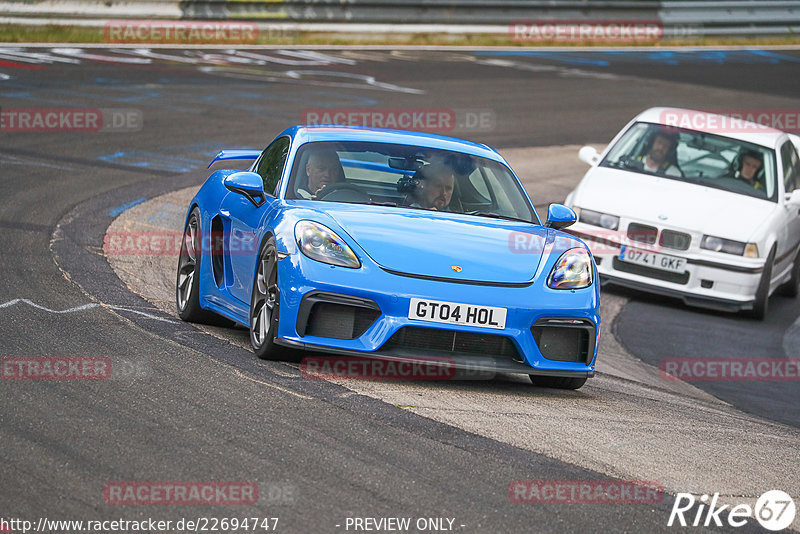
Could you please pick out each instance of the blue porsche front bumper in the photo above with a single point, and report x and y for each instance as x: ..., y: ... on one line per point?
x: 365, y: 312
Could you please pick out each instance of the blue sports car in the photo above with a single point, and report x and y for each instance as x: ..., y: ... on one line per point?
x: 395, y: 245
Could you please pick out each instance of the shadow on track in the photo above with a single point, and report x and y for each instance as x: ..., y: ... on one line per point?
x: 654, y: 328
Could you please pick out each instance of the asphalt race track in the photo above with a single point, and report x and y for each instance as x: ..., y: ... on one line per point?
x: 193, y: 404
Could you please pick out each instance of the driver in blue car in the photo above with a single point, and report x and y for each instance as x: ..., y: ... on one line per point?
x: 435, y: 189
x: 323, y: 169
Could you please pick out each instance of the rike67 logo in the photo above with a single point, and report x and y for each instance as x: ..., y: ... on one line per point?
x: 774, y: 510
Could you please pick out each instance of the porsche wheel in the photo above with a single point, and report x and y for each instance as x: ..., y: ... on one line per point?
x: 265, y: 305
x: 557, y: 382
x: 187, y: 284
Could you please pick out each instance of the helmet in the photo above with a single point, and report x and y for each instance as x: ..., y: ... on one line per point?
x: 738, y: 161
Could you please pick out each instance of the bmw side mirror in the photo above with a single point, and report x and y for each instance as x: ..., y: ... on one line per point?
x: 793, y: 199
x: 589, y: 154
x: 248, y: 184
x: 560, y: 216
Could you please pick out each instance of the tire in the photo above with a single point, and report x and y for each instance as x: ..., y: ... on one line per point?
x: 761, y: 303
x: 187, y: 283
x: 265, y: 306
x: 557, y: 382
x: 792, y: 287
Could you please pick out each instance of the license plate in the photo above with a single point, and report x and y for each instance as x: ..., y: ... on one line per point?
x: 652, y: 259
x: 438, y: 311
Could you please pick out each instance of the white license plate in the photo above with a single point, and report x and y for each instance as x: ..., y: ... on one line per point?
x: 652, y: 259
x: 438, y: 311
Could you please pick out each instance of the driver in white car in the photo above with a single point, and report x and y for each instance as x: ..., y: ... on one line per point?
x: 657, y: 157
x: 323, y: 169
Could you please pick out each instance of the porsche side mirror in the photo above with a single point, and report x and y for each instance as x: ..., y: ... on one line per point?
x: 560, y: 216
x: 589, y: 154
x: 248, y: 184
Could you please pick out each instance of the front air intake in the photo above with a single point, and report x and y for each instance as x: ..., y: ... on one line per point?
x: 339, y: 321
x: 335, y: 316
x: 565, y: 340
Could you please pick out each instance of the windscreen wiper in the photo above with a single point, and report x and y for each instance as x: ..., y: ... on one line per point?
x: 494, y: 215
x: 388, y: 204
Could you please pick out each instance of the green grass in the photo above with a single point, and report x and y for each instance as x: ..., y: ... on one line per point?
x: 14, y: 33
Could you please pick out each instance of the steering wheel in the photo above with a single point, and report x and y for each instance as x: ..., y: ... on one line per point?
x: 355, y: 193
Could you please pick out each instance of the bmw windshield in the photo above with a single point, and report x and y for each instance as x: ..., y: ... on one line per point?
x: 408, y: 177
x: 701, y: 158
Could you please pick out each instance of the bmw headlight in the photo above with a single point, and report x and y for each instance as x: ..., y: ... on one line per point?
x: 595, y: 218
x: 573, y: 270
x: 320, y: 243
x: 728, y: 246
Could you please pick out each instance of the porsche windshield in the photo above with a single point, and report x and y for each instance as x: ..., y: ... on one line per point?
x: 696, y: 157
x: 407, y: 176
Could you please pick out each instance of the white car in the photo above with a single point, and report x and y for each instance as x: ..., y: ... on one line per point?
x: 709, y: 214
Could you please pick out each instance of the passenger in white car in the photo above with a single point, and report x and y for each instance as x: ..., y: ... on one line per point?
x: 748, y: 167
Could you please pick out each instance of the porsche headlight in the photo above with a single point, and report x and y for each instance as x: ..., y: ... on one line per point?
x: 320, y: 243
x: 728, y: 246
x: 573, y: 270
x: 595, y: 218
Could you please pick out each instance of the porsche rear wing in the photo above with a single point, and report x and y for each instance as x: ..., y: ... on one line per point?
x: 235, y: 154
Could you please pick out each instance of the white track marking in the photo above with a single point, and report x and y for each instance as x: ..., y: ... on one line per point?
x: 264, y: 59
x: 83, y: 307
x: 290, y: 392
x: 81, y: 54
x: 146, y: 52
x: 296, y: 77
x: 26, y: 56
x: 15, y: 160
x: 40, y: 307
x: 370, y: 81
x: 145, y: 314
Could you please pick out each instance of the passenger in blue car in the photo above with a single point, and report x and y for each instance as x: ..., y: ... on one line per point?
x: 435, y: 188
